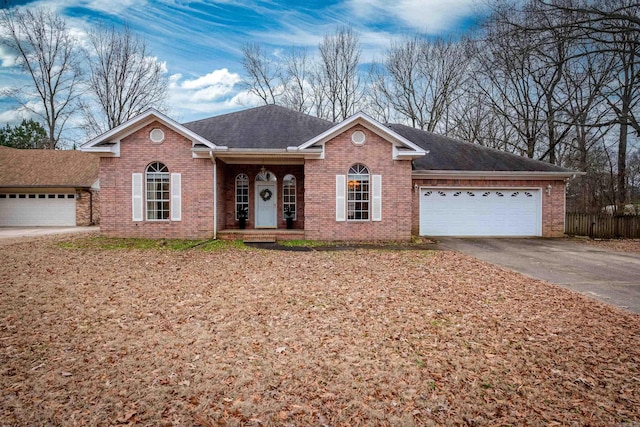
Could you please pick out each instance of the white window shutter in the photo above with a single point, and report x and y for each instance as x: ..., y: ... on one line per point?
x: 376, y: 198
x: 176, y: 197
x: 341, y: 184
x: 136, y: 197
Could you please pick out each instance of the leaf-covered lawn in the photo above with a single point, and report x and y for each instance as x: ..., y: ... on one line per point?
x: 235, y: 336
x: 620, y: 245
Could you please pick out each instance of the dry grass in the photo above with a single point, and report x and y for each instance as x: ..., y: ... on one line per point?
x: 250, y: 337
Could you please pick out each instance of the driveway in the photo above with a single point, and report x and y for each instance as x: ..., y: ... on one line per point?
x: 611, y: 277
x: 16, y: 232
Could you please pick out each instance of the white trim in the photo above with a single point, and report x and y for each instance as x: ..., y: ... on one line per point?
x: 492, y: 175
x: 175, y: 190
x: 137, y: 202
x: 370, y: 124
x: 341, y: 198
x: 376, y: 197
x: 138, y: 122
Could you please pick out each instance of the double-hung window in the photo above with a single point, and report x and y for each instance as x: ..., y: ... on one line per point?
x: 158, y: 196
x: 358, y: 193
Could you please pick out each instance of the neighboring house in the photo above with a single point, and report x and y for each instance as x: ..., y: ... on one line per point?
x: 48, y: 188
x: 354, y: 180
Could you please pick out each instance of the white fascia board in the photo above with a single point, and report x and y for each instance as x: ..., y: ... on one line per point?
x: 398, y: 154
x: 112, y: 150
x: 495, y: 175
x: 136, y: 123
x: 367, y: 122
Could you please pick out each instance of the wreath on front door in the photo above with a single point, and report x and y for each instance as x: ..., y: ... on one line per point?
x: 266, y: 194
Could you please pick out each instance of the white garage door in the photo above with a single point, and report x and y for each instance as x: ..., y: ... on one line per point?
x: 37, y: 210
x: 480, y: 212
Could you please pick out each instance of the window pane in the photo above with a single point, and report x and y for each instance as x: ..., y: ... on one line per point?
x: 358, y: 193
x: 158, y: 191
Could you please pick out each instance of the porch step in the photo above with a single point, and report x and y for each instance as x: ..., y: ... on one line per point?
x: 259, y: 239
x: 260, y: 236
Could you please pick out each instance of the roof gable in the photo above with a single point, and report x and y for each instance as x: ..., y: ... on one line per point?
x: 109, y: 142
x: 403, y: 146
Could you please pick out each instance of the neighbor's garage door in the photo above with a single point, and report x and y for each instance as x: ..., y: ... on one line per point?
x: 37, y: 210
x: 480, y: 212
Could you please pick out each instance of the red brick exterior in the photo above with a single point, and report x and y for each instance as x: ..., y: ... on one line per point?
x: 553, y: 207
x: 136, y: 152
x: 320, y: 194
x: 315, y: 191
x: 87, y: 207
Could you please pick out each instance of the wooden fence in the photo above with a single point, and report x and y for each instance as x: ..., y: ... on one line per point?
x: 603, y: 226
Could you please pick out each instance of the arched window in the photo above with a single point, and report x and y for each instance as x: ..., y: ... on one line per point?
x: 289, y: 197
x: 242, y: 195
x: 157, y: 185
x: 358, y: 193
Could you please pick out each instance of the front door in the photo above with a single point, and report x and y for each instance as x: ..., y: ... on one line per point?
x: 266, y: 203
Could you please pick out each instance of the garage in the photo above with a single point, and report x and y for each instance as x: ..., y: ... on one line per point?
x: 29, y: 209
x: 480, y: 212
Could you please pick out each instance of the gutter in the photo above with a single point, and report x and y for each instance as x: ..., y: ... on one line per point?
x: 215, y: 199
x: 495, y: 175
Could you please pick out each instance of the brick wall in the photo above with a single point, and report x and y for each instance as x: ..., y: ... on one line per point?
x: 552, y: 205
x: 87, y: 208
x: 136, y: 152
x: 228, y: 197
x: 320, y: 184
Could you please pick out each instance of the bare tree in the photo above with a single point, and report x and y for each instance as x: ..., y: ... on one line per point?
x: 624, y: 97
x: 338, y: 73
x: 125, y: 79
x: 610, y: 28
x: 263, y: 75
x: 48, y: 54
x: 420, y: 79
x: 504, y: 74
x: 297, y: 91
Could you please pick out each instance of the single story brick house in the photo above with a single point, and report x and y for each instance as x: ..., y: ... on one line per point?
x: 354, y: 180
x: 48, y: 188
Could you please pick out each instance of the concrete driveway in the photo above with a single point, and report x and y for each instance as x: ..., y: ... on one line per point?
x: 16, y: 232
x: 612, y: 277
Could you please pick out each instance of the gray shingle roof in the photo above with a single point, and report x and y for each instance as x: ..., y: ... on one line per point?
x: 275, y: 127
x: 269, y: 126
x: 452, y: 154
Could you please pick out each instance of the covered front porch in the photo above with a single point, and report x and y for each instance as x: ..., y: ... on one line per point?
x: 262, y: 197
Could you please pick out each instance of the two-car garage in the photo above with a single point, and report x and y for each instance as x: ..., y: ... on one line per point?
x: 37, y: 209
x: 480, y: 211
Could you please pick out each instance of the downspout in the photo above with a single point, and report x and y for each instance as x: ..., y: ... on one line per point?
x: 91, y: 208
x: 215, y: 196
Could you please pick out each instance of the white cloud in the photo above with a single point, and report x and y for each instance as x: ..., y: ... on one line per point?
x: 213, y: 93
x: 430, y: 16
x: 14, y: 116
x: 220, y: 77
x: 7, y: 59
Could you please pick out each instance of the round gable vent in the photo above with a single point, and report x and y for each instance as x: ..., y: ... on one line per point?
x: 358, y: 137
x: 156, y: 135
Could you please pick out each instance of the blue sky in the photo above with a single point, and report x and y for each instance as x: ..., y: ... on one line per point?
x: 199, y: 41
